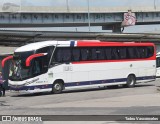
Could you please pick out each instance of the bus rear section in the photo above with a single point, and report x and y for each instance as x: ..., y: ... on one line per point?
x: 82, y: 64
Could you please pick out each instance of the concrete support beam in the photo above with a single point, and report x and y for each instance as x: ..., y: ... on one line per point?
x: 68, y: 19
x: 117, y: 28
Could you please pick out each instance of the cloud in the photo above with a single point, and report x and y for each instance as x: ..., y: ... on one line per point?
x: 17, y: 2
x: 44, y: 2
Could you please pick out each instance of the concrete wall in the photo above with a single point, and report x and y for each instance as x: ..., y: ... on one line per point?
x: 4, y: 50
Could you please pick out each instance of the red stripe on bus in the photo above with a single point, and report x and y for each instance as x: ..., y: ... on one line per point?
x: 90, y: 44
x: 5, y: 59
x: 29, y: 59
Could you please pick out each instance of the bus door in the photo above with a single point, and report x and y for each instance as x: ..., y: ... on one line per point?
x: 67, y: 67
x: 80, y: 71
x: 61, y: 64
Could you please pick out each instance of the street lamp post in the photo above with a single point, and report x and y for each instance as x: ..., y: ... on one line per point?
x: 89, y: 23
x: 67, y: 5
x: 20, y: 6
x: 154, y: 4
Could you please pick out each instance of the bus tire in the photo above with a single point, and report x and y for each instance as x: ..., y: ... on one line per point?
x: 57, y: 87
x: 131, y: 81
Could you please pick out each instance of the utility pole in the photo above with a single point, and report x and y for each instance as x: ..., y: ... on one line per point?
x: 155, y: 4
x: 89, y: 23
x: 67, y: 5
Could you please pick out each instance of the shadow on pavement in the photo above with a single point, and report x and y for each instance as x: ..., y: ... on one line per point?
x: 144, y: 85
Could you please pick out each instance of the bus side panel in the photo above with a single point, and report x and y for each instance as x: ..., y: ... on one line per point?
x: 57, y: 72
x: 147, y: 71
x: 111, y: 72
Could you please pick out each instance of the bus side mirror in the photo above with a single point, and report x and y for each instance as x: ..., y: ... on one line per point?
x: 30, y: 58
x: 6, y: 59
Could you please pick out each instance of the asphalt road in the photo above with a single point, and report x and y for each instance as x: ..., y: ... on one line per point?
x: 144, y: 99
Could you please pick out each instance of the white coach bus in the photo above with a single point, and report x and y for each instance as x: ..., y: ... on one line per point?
x: 62, y: 65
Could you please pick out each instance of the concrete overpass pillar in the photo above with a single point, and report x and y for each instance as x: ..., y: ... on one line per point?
x: 116, y: 28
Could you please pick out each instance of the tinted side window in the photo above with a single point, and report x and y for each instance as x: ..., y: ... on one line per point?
x: 100, y: 54
x: 93, y: 54
x: 140, y: 52
x: 66, y: 53
x: 158, y: 62
x: 85, y: 54
x: 62, y: 55
x: 76, y: 54
x: 143, y: 52
x: 58, y: 55
x: 131, y: 53
x: 108, y: 54
x: 97, y: 53
x: 115, y: 53
x: 122, y: 52
x: 137, y: 52
x: 150, y: 51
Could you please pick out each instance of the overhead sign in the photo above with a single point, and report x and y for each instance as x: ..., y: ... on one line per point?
x: 129, y: 19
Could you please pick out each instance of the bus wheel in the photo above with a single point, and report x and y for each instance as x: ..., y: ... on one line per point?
x: 131, y: 80
x: 57, y: 87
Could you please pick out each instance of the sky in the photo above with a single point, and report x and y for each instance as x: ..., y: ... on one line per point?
x: 92, y: 3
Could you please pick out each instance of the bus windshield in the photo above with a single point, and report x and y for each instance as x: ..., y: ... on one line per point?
x: 18, y: 69
x: 38, y: 65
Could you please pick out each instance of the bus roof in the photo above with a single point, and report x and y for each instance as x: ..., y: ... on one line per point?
x: 37, y: 45
x: 79, y: 43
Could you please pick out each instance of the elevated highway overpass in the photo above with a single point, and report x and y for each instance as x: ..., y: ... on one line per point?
x: 110, y: 18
